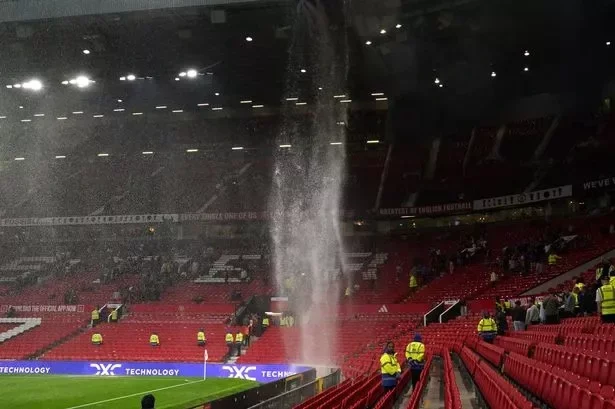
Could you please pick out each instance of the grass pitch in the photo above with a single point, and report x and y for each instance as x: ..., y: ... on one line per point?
x: 76, y: 392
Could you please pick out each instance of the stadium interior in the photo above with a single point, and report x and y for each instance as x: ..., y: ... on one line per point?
x: 314, y: 179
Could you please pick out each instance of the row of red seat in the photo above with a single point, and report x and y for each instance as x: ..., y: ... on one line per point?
x: 497, y: 391
x: 589, y: 342
x: 552, y: 386
x: 582, y: 363
x: 452, y: 399
x: 520, y: 346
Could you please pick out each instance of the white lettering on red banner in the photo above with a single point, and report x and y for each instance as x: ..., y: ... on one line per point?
x: 44, y: 308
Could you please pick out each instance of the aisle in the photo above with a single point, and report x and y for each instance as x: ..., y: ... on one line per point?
x: 433, y: 396
x: 467, y: 391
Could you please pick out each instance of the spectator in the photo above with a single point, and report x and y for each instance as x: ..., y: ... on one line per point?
x: 389, y: 367
x: 487, y: 328
x: 551, y: 307
x: 154, y: 340
x: 148, y: 402
x: 415, y: 355
x: 518, y: 314
x: 571, y: 306
x: 532, y: 315
x: 500, y: 319
x: 494, y: 278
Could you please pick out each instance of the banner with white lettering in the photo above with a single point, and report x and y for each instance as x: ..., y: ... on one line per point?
x: 427, y: 210
x: 43, y: 308
x: 523, y: 198
x: 599, y: 184
x: 251, y: 372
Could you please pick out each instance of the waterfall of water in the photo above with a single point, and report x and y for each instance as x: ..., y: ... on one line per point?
x: 308, y: 256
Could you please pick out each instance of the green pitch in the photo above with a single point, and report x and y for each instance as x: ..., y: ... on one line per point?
x: 76, y: 392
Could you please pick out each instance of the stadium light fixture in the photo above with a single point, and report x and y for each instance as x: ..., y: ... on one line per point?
x: 383, y: 31
x: 192, y: 150
x: 345, y: 101
x: 60, y: 156
x: 122, y: 78
x: 493, y: 74
x: 102, y: 155
x: 526, y: 69
x: 335, y: 143
x: 63, y: 83
x: 237, y: 148
x: 120, y: 101
x: 131, y: 77
x: 39, y: 115
x: 319, y: 88
x: 368, y: 42
x: 339, y: 96
x: 608, y: 43
x: 20, y: 158
x: 9, y: 86
x: 441, y: 85
x: 17, y: 86
x: 398, y: 25
x: 161, y: 107
x: 26, y: 120
x: 245, y: 101
x: 303, y: 70
x: 436, y: 81
x: 2, y: 116
x: 191, y: 73
x: 257, y: 106
x: 77, y: 112
x: 217, y: 94
x: 300, y: 103
x: 203, y: 104
x: 182, y: 74
x: 61, y: 118
x: 373, y: 141
x: 249, y: 39
x: 382, y: 99
x: 292, y: 99
x: 82, y: 81
x: 285, y: 146
x: 34, y: 85
x: 137, y: 113
x: 526, y: 53
x: 119, y: 110
x: 176, y: 79
x: 147, y: 153
x: 177, y: 111
x: 86, y: 51
x: 377, y: 94
x: 98, y: 116
x: 217, y: 109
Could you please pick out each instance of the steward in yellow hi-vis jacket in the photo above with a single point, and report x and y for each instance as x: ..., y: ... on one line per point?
x: 389, y: 367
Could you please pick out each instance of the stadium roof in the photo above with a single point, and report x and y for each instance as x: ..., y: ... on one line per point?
x: 442, y: 58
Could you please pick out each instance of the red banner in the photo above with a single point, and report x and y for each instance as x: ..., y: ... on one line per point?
x: 411, y: 308
x: 192, y: 308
